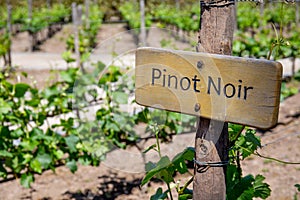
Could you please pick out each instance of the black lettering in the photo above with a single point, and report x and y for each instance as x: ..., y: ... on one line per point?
x: 153, y: 74
x: 225, y: 90
x: 239, y: 89
x: 169, y: 81
x: 245, y: 91
x: 195, y: 83
x: 188, y: 85
x: 164, y: 79
x: 211, y: 82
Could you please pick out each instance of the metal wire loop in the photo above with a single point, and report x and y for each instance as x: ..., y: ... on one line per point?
x: 210, y: 164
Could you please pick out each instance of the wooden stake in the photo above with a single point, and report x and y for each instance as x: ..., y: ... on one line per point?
x: 31, y: 35
x: 29, y: 4
x: 297, y: 12
x: 76, y: 23
x: 9, y: 29
x: 87, y: 14
x: 48, y: 4
x: 261, y: 12
x: 211, y: 142
x: 143, y: 26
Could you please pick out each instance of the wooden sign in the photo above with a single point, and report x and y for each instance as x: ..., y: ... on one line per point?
x: 232, y: 89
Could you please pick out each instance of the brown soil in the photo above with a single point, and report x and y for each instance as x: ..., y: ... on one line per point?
x: 119, y: 177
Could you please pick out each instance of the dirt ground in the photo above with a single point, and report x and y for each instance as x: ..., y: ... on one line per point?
x: 119, y: 177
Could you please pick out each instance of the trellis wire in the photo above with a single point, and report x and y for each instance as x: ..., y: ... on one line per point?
x: 225, y: 2
x: 283, y: 137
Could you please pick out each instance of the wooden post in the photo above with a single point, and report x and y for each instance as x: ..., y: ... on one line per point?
x: 211, y: 142
x: 48, y: 4
x: 9, y: 29
x: 297, y: 12
x: 76, y: 33
x: 143, y: 26
x: 50, y: 31
x: 87, y: 14
x: 31, y: 35
x: 261, y: 12
x: 76, y: 17
x: 177, y: 3
x: 29, y: 4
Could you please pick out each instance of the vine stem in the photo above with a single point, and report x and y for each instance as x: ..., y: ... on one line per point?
x: 186, y: 185
x: 169, y: 188
x: 157, y: 141
x: 237, y: 135
x: 270, y: 158
x: 277, y: 160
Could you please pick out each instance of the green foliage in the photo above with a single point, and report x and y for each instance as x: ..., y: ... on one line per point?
x: 27, y: 144
x: 165, y: 169
x: 41, y: 18
x: 287, y: 91
x: 87, y: 36
x: 130, y: 12
x: 247, y: 187
x: 168, y: 123
x: 159, y: 195
x: 243, y: 144
x: 254, y: 38
x: 186, y: 19
x: 5, y: 43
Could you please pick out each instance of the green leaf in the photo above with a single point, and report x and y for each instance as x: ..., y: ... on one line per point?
x: 36, y: 165
x: 159, y: 195
x: 4, y: 107
x: 67, y: 56
x: 16, y: 133
x: 120, y: 97
x: 72, y: 165
x: 149, y: 166
x: 71, y: 142
x: 5, y: 133
x: 21, y: 89
x: 45, y: 160
x: 162, y: 164
x: 85, y: 57
x: 298, y: 187
x: 261, y: 189
x: 233, y: 130
x: 243, y: 185
x: 166, y: 175
x: 3, y: 172
x: 66, y: 76
x: 251, y: 137
x: 179, y: 159
x: 27, y: 179
x: 185, y: 196
x: 5, y: 154
x: 247, y: 194
x: 247, y: 143
x: 29, y: 145
x: 58, y: 154
x: 237, y: 186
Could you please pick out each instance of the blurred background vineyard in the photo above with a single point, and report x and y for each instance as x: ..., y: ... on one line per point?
x: 33, y: 92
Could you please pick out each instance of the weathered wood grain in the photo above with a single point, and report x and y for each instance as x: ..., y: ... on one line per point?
x: 219, y: 87
x: 212, y: 139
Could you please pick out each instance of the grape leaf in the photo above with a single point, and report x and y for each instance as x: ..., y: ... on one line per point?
x: 27, y: 179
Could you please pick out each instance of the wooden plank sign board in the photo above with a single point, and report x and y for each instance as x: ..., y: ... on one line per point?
x: 232, y: 89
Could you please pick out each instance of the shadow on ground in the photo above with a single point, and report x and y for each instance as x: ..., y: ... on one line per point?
x: 111, y: 186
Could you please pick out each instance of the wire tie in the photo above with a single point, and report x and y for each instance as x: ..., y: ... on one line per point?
x: 210, y: 164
